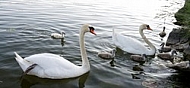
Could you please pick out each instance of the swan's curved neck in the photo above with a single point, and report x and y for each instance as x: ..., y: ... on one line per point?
x: 152, y: 47
x: 85, y: 62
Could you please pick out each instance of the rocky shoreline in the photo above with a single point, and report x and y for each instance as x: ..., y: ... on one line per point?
x: 179, y: 38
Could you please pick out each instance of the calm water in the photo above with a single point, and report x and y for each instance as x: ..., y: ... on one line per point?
x: 26, y: 25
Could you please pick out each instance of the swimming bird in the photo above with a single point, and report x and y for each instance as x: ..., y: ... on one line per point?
x: 132, y: 45
x: 167, y: 56
x: 107, y: 55
x: 52, y: 66
x: 139, y: 58
x: 183, y: 66
x: 164, y: 49
x: 58, y: 36
x: 163, y: 33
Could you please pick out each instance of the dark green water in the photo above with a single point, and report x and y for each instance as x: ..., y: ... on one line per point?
x: 25, y: 27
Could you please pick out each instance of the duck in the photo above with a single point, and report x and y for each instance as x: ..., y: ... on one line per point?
x: 133, y: 46
x: 179, y: 64
x: 164, y: 49
x: 183, y: 66
x: 52, y: 66
x: 107, y: 55
x: 58, y: 36
x: 167, y: 56
x: 163, y: 33
x: 139, y: 58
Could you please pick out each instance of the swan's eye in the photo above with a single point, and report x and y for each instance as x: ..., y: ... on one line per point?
x: 148, y: 27
x: 92, y: 30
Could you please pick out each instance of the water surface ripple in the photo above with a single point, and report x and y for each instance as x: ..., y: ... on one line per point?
x: 26, y: 25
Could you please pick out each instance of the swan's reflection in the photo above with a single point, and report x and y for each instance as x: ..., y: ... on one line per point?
x: 28, y: 81
x: 62, y: 42
x: 112, y: 63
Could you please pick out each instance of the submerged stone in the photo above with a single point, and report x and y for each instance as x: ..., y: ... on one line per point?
x: 177, y: 36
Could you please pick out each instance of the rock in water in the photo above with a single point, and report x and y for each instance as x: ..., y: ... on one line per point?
x: 176, y: 36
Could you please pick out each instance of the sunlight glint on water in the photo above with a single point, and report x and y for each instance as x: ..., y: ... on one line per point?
x: 25, y: 27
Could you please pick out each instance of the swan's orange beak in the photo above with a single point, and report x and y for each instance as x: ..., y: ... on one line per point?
x: 149, y: 28
x: 92, y: 30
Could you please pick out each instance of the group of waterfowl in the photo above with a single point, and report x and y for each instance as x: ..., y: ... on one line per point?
x: 48, y: 65
x: 140, y: 52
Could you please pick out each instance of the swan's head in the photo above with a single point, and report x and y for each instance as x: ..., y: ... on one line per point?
x: 145, y: 26
x: 88, y: 28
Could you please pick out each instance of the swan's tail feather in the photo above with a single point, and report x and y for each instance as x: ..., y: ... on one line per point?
x: 23, y: 63
x: 113, y: 34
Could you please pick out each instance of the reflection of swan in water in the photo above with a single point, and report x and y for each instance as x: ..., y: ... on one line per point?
x: 28, y: 81
x: 62, y: 42
x: 132, y: 45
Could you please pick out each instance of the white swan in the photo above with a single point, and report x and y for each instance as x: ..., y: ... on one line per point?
x: 57, y: 35
x: 47, y: 65
x: 132, y: 45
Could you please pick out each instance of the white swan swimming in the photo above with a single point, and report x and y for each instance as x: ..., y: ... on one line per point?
x: 57, y: 35
x: 47, y: 65
x: 132, y: 45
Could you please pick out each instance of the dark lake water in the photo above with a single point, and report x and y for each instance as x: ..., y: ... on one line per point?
x: 26, y: 25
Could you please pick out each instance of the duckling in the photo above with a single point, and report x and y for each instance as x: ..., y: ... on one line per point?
x: 58, y: 36
x: 164, y: 49
x: 139, y: 58
x: 163, y: 33
x: 183, y: 66
x: 107, y: 55
x: 167, y: 56
x: 179, y: 64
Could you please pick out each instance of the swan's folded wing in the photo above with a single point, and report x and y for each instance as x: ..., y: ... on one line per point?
x: 128, y: 44
x: 48, y: 61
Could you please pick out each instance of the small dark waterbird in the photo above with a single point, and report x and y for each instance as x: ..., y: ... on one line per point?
x: 139, y: 58
x: 163, y: 33
x: 107, y: 55
x: 164, y: 49
x: 167, y: 56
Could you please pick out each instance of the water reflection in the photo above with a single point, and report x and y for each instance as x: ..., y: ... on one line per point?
x: 28, y: 81
x: 62, y: 42
x: 26, y: 27
x: 180, y: 80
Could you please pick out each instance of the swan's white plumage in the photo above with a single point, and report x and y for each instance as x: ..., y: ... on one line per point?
x: 132, y: 45
x: 54, y: 66
x: 57, y: 35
